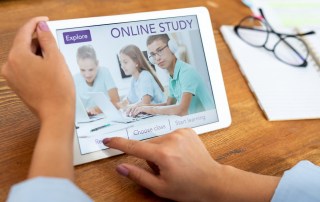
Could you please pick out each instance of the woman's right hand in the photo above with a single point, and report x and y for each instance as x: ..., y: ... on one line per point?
x: 183, y: 168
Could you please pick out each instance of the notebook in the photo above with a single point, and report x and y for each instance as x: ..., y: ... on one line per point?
x: 313, y: 43
x: 283, y: 92
x: 302, y: 16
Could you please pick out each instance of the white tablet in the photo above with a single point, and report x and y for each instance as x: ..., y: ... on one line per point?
x: 142, y: 75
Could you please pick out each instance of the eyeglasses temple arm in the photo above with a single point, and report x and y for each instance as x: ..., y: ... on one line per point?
x: 307, y: 33
x: 302, y: 34
x: 250, y: 28
x: 299, y: 34
x: 261, y: 13
x: 265, y: 19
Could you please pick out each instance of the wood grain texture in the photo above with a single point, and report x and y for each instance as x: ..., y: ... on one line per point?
x: 251, y: 143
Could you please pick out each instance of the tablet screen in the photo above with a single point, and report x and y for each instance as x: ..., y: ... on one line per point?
x: 138, y: 79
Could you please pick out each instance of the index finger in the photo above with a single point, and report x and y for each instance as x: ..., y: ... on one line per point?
x: 140, y: 149
x: 24, y: 35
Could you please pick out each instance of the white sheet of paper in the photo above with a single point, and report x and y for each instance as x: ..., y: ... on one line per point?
x: 283, y: 92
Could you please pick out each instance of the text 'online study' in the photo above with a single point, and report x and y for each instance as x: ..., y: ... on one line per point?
x: 137, y: 79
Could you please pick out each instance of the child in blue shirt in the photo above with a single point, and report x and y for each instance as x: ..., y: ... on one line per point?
x: 145, y: 86
x: 188, y: 93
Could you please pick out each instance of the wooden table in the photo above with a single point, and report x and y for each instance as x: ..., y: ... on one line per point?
x: 251, y: 143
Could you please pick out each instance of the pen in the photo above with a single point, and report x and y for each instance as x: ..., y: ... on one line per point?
x: 100, y: 127
x: 119, y: 129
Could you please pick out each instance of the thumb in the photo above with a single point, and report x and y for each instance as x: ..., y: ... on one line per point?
x: 46, y: 40
x: 140, y: 176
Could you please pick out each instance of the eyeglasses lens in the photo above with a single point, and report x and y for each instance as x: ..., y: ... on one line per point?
x: 291, y: 50
x: 253, y: 31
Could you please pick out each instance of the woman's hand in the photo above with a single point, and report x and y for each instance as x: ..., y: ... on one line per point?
x: 37, y: 72
x: 42, y: 80
x: 183, y: 168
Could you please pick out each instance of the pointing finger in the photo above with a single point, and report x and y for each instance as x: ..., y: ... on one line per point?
x: 140, y: 149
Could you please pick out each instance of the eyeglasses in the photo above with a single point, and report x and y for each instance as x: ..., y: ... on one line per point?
x: 288, y: 48
x: 159, y: 52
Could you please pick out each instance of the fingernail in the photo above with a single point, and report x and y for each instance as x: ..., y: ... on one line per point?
x: 106, y: 141
x: 43, y: 26
x: 122, y: 170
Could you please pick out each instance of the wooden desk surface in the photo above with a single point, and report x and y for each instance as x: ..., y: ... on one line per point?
x: 251, y: 143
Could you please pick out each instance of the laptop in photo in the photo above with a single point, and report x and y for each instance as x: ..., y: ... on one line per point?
x: 82, y: 115
x: 109, y: 110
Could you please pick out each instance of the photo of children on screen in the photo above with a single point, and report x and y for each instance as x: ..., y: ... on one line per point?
x: 188, y: 93
x: 138, y: 79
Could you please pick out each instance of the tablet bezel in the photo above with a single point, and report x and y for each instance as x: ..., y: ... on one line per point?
x: 211, y: 56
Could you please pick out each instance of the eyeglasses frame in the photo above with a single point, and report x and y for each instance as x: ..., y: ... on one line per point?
x: 158, y: 52
x: 282, y: 37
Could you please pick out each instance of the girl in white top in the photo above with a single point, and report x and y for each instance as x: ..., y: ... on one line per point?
x: 145, y: 85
